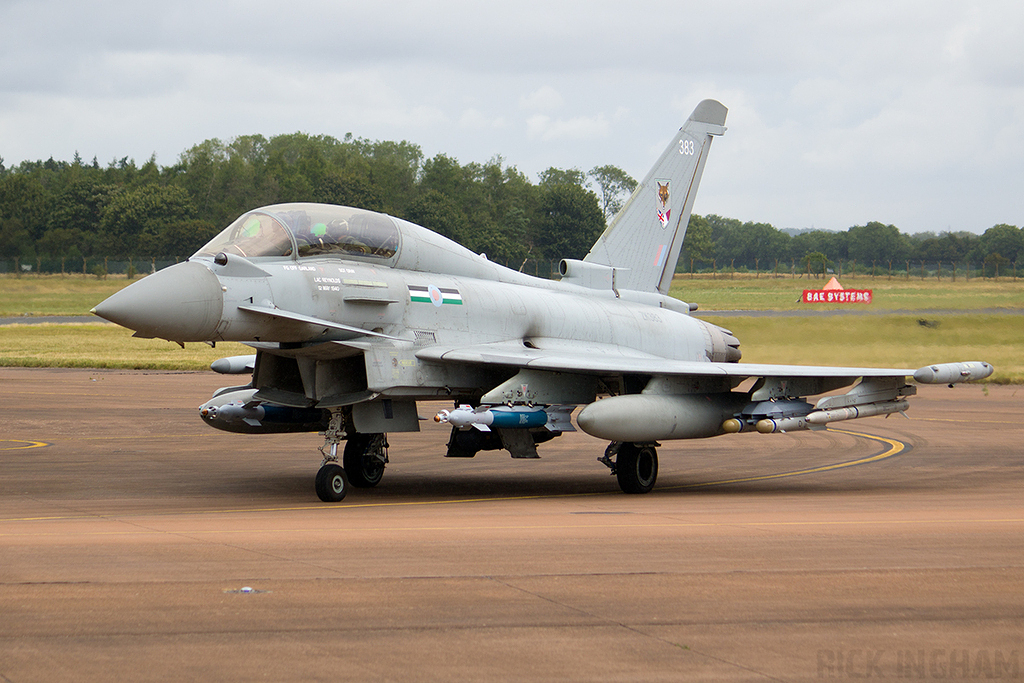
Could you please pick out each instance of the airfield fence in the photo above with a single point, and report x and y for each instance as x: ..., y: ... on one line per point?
x: 100, y: 266
x: 851, y: 270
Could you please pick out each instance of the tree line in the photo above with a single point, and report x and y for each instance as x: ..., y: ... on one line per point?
x: 70, y: 210
x: 725, y: 243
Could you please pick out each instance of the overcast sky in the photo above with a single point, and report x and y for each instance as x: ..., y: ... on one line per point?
x: 900, y: 111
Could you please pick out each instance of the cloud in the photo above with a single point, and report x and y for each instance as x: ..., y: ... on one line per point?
x: 546, y: 129
x: 478, y: 120
x: 902, y: 110
x: 544, y: 99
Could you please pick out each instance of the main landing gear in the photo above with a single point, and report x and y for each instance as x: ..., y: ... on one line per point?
x: 363, y: 460
x: 635, y: 465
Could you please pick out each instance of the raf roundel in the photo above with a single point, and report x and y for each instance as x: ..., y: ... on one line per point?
x: 435, y: 295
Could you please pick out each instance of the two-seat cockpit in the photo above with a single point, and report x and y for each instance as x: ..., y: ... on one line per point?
x: 301, y: 230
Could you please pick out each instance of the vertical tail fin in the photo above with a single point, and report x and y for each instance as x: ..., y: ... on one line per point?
x: 644, y: 239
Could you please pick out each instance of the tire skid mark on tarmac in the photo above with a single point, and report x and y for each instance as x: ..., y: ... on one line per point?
x: 895, y: 447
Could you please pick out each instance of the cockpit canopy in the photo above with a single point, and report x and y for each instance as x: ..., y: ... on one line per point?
x: 300, y: 230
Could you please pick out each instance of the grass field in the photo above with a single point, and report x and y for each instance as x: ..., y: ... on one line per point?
x: 882, y: 341
x: 36, y: 295
x: 896, y: 294
x: 102, y: 345
x: 897, y: 340
x: 893, y: 341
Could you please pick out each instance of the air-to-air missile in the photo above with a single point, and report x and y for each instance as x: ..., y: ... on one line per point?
x: 819, y: 418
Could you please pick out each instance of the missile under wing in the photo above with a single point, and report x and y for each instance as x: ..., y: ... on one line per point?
x: 355, y: 316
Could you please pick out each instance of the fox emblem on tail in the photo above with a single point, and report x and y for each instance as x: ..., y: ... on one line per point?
x: 664, y: 213
x: 663, y: 193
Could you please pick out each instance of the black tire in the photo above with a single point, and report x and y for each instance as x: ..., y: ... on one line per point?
x: 636, y: 468
x: 331, y: 483
x: 364, y: 459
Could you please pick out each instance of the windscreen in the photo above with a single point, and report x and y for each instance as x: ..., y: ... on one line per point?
x: 255, y: 234
x: 307, y: 230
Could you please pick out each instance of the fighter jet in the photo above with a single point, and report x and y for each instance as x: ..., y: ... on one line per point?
x: 355, y: 316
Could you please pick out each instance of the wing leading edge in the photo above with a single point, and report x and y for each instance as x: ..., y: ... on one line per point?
x: 592, y: 358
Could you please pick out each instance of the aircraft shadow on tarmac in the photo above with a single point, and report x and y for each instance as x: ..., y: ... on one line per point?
x: 896, y: 473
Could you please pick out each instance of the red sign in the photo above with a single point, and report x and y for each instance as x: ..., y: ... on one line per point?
x: 837, y: 296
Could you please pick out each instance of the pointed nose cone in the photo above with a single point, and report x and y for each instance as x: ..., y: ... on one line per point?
x: 181, y: 303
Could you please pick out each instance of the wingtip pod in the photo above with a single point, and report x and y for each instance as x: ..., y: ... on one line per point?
x: 953, y: 373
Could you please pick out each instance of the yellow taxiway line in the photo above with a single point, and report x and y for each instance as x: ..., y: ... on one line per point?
x: 24, y: 444
x: 895, y: 448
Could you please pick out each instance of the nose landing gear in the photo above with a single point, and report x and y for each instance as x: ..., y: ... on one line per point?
x: 364, y: 459
x: 331, y: 483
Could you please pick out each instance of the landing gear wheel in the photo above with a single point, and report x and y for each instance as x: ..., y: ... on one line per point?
x: 364, y: 459
x: 331, y: 483
x: 636, y: 468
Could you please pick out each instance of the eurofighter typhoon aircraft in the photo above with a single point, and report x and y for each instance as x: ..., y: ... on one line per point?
x: 355, y: 316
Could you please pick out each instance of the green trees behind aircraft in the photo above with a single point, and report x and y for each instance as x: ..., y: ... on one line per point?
x: 71, y: 210
x: 728, y: 243
x: 60, y: 209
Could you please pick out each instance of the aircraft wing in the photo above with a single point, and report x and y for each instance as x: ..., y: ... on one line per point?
x: 592, y: 358
x: 584, y: 358
x: 589, y: 358
x: 666, y: 413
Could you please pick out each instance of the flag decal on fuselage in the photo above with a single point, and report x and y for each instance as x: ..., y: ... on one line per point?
x: 429, y: 294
